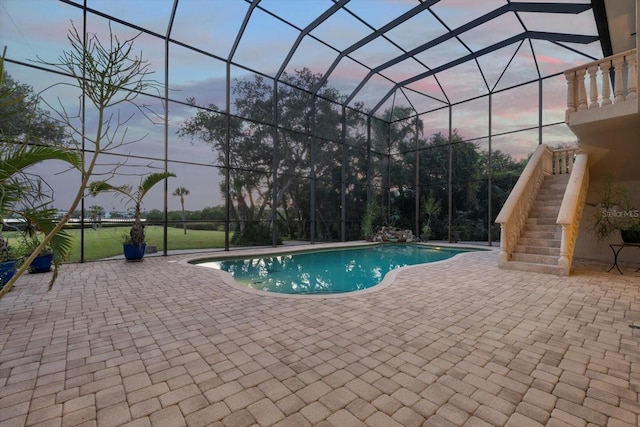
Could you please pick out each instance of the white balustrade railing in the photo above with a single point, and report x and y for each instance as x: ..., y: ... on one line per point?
x: 570, y: 214
x: 610, y: 80
x: 515, y: 211
x: 564, y: 159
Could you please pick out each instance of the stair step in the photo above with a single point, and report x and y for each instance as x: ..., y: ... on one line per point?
x: 547, y: 204
x: 538, y: 228
x: 553, y: 184
x: 538, y: 250
x: 543, y: 200
x: 541, y: 221
x: 556, y: 178
x: 547, y: 213
x: 546, y: 185
x: 547, y: 201
x: 535, y: 258
x: 525, y: 241
x: 542, y: 234
x: 534, y: 268
x: 561, y: 177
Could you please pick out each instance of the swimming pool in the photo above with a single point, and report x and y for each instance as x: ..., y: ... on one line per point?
x: 329, y: 270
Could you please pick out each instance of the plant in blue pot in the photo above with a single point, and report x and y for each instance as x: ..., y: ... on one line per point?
x: 134, y: 243
x: 8, y: 262
x: 44, y: 259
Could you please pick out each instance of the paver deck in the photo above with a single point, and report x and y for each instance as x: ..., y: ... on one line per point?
x: 455, y: 343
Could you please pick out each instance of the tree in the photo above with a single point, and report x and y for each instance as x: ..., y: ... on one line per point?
x: 135, y: 196
x: 182, y: 192
x: 21, y: 117
x: 394, y: 139
x: 96, y: 213
x: 109, y: 75
x: 252, y: 142
x: 22, y: 193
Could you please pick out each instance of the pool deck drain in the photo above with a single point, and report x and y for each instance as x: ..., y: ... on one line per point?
x: 163, y: 343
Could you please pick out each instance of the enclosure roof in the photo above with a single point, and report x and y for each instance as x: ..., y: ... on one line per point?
x: 425, y: 54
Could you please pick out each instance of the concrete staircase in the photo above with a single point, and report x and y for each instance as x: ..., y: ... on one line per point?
x: 538, y: 247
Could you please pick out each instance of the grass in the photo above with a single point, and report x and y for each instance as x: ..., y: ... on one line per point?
x: 107, y: 242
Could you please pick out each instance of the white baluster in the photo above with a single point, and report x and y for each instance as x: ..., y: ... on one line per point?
x: 572, y: 158
x: 632, y: 92
x: 618, y: 89
x: 558, y: 162
x: 571, y: 92
x: 582, y: 90
x: 593, y: 86
x: 606, y: 82
x: 563, y: 260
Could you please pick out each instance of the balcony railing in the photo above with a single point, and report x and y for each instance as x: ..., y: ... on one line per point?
x: 611, y: 80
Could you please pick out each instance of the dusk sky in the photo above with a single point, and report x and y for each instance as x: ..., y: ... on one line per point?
x: 35, y: 29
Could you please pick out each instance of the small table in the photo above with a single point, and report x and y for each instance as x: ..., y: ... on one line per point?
x: 616, y: 248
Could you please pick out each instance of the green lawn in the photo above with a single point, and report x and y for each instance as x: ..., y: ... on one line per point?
x: 107, y: 242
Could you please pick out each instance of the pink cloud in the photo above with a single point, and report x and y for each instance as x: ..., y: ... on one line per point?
x: 549, y: 59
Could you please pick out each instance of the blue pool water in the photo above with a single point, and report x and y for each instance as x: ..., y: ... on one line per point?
x: 328, y: 271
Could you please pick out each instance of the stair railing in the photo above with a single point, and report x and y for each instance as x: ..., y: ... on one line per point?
x: 564, y: 159
x: 599, y: 73
x: 515, y: 211
x: 571, y: 209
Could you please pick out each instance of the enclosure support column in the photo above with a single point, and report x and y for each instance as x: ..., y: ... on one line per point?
x: 450, y: 179
x: 83, y: 118
x: 274, y: 191
x: 243, y: 27
x: 417, y: 184
x: 312, y: 184
x: 368, y: 160
x: 388, y: 180
x: 539, y: 111
x: 166, y: 125
x: 227, y: 160
x: 343, y: 187
x: 489, y: 176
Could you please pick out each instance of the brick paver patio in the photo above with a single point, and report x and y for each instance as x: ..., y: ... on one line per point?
x: 456, y: 343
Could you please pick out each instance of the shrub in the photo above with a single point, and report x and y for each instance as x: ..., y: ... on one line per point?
x: 209, y: 226
x: 254, y: 234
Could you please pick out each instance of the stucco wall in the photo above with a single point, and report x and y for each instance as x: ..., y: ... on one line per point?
x: 588, y: 247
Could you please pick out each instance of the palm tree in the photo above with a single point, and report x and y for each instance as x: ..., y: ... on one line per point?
x: 21, y: 192
x: 181, y: 192
x: 96, y: 213
x: 108, y: 74
x: 132, y: 195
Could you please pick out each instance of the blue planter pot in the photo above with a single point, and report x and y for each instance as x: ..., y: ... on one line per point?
x: 7, y: 270
x: 134, y: 252
x: 41, y: 264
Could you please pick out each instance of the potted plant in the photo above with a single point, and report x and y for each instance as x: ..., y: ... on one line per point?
x: 44, y: 257
x: 425, y: 233
x: 8, y: 261
x: 431, y: 208
x: 134, y: 243
x: 109, y: 74
x: 615, y: 213
x: 23, y: 194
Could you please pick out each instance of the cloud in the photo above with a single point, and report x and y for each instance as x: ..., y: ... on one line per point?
x: 41, y: 31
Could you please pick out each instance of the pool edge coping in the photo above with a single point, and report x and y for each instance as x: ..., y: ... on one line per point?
x: 386, y: 281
